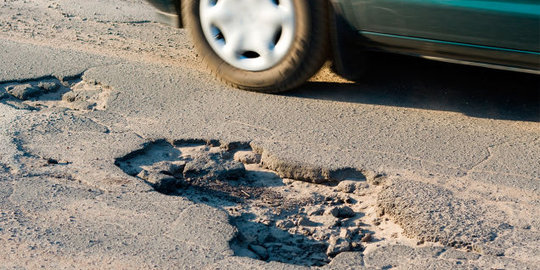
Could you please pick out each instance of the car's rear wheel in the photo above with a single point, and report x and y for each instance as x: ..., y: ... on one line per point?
x: 260, y: 45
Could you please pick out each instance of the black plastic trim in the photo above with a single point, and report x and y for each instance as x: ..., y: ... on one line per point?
x: 449, y: 51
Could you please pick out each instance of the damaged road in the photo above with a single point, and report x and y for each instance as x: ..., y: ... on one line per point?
x: 117, y: 150
x: 277, y: 219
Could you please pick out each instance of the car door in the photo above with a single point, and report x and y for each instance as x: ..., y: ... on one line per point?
x: 505, y: 24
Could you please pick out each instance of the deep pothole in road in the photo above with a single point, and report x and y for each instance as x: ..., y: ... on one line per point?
x: 72, y: 93
x: 278, y: 219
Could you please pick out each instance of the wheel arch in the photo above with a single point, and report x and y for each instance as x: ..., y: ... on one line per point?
x: 347, y: 54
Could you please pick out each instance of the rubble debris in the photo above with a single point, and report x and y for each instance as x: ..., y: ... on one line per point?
x: 49, y: 86
x: 24, y: 91
x: 368, y: 237
x: 213, y: 165
x: 374, y: 178
x: 247, y: 157
x: 75, y: 94
x: 161, y: 182
x: 278, y: 219
x: 351, y: 186
x: 341, y: 212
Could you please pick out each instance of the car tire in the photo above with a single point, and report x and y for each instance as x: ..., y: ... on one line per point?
x: 306, y: 51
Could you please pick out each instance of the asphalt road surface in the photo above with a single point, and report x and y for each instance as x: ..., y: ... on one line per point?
x: 118, y: 150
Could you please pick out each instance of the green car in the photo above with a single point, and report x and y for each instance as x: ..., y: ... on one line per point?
x: 275, y: 45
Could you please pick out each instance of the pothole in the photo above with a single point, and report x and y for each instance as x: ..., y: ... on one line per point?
x: 71, y: 93
x: 278, y: 219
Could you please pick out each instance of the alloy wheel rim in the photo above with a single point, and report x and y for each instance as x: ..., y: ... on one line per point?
x: 252, y: 35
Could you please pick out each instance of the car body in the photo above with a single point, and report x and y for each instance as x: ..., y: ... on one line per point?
x: 503, y: 34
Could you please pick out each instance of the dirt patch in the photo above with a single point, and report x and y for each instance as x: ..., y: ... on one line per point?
x: 278, y: 219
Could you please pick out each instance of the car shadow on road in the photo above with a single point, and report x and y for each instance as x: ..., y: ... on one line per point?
x: 418, y: 83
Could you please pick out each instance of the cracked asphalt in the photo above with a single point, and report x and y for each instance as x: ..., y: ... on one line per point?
x: 452, y: 151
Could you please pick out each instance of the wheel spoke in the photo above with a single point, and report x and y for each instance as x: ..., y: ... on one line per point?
x: 216, y: 15
x: 233, y: 43
x: 285, y: 16
x: 261, y: 39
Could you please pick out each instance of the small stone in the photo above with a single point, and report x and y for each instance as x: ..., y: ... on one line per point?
x: 212, y: 166
x: 260, y: 251
x: 177, y: 166
x: 284, y: 224
x: 231, y: 170
x: 344, y: 233
x: 198, y: 167
x: 380, y: 212
x: 375, y: 179
x: 394, y: 235
x: 305, y: 231
x: 347, y: 186
x: 161, y: 182
x: 174, y: 168
x: 376, y: 221
x: 49, y: 86
x: 304, y: 221
x: 341, y: 212
x: 367, y: 238
x: 337, y: 245
x: 337, y: 201
x: 24, y: 91
x: 352, y: 186
x: 69, y: 96
x: 320, y: 235
x: 52, y: 161
x: 247, y: 157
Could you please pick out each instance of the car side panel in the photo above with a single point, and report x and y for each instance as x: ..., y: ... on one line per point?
x: 495, y: 23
